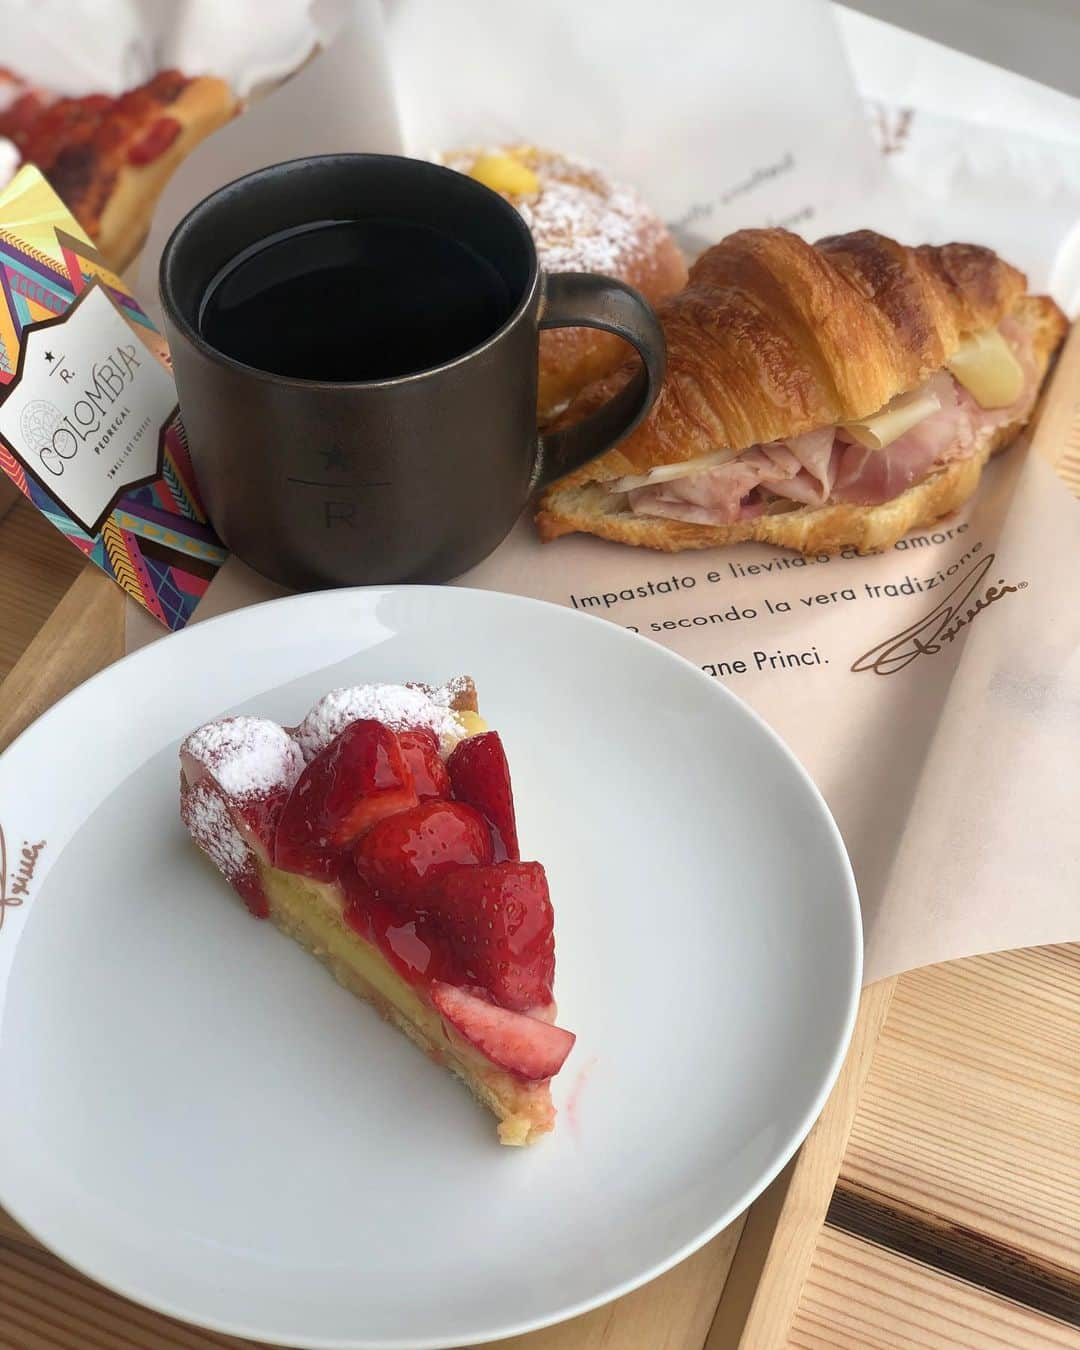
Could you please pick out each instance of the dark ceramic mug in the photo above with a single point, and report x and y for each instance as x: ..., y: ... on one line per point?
x: 413, y: 478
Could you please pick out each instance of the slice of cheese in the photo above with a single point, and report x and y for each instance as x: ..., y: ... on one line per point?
x: 987, y: 367
x: 899, y: 415
x: 664, y: 473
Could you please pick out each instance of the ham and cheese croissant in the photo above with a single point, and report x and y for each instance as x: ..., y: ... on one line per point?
x: 817, y: 397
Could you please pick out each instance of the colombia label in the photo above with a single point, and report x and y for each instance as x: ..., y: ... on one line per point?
x: 89, y: 430
x: 88, y: 407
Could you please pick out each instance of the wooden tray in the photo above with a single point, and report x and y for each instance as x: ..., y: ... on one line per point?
x: 935, y: 1204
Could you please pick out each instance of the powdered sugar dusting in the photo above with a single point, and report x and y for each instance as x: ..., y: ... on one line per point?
x: 249, y: 756
x: 205, y: 812
x: 451, y: 690
x: 397, y: 706
x: 578, y: 230
x: 580, y: 221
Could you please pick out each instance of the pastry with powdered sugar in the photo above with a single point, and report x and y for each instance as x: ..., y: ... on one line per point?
x: 580, y: 222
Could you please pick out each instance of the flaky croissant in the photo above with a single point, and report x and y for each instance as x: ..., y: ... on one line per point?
x: 773, y: 338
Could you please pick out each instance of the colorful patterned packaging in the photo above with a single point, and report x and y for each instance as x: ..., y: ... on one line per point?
x: 89, y: 425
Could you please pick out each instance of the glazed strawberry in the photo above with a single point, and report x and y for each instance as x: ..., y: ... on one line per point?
x: 358, y: 779
x: 360, y: 898
x: 499, y: 923
x: 405, y: 852
x: 248, y: 885
x: 525, y: 1046
x: 421, y: 750
x: 257, y: 819
x: 480, y: 775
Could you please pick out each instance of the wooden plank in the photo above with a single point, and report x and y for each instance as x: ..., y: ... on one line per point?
x: 964, y: 1153
x: 10, y: 1231
x: 973, y: 1105
x: 45, y: 1303
x: 1057, y: 435
x: 964, y: 1253
x: 9, y: 495
x: 966, y: 1147
x: 37, y: 565
x: 783, y: 1227
x: 862, y: 1297
x: 84, y: 633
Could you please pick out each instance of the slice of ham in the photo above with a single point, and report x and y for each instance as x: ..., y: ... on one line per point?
x: 799, y: 468
x: 813, y: 483
x: 866, y: 477
x: 829, y: 465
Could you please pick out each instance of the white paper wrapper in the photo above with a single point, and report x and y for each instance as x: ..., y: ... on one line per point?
x: 945, y: 767
x: 81, y: 47
x: 696, y: 104
x: 976, y: 152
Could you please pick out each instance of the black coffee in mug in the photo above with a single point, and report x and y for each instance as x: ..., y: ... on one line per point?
x: 355, y: 340
x: 354, y: 300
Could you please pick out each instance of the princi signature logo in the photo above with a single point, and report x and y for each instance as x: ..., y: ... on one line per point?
x: 14, y: 890
x: 943, y: 625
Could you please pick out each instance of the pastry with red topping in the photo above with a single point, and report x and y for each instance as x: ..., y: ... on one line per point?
x: 108, y: 159
x: 380, y: 833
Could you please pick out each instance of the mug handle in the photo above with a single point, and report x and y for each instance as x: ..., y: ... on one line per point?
x: 585, y: 300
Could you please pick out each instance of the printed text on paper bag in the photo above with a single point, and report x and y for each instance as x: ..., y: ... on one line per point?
x: 737, y: 598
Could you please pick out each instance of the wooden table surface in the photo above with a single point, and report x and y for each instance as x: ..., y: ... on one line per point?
x: 935, y: 1204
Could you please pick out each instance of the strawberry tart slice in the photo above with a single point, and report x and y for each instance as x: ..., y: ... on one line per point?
x: 380, y: 834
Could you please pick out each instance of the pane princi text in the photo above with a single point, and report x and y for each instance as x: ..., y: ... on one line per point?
x: 777, y: 660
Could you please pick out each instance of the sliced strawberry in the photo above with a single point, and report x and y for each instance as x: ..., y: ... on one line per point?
x: 358, y: 779
x: 421, y: 750
x: 402, y: 854
x: 210, y: 817
x: 499, y: 923
x: 255, y: 763
x: 524, y: 1046
x: 257, y: 819
x: 480, y: 775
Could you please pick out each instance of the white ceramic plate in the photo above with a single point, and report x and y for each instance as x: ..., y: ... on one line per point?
x: 197, y: 1115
